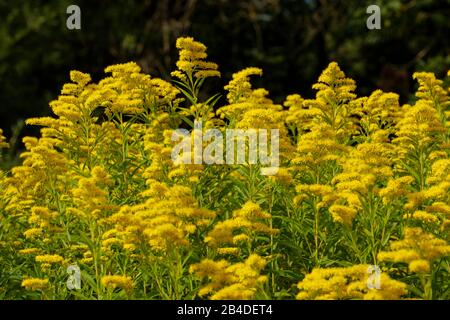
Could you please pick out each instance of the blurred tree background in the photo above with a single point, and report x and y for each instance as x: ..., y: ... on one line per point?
x: 291, y: 40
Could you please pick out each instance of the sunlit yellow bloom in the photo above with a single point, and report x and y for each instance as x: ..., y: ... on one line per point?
x: 192, y: 60
x: 166, y: 218
x: 30, y: 251
x: 239, y: 281
x: 117, y: 281
x: 342, y: 214
x: 99, y: 187
x: 241, y: 227
x: 33, y: 232
x: 35, y: 283
x: 416, y: 247
x: 49, y: 258
x: 395, y: 188
x: 424, y: 216
x: 419, y: 266
x: 430, y: 89
x: 348, y: 283
x: 3, y: 143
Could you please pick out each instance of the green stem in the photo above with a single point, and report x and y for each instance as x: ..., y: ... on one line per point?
x: 316, y: 233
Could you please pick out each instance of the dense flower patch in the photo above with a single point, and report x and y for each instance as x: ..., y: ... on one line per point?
x: 362, y: 182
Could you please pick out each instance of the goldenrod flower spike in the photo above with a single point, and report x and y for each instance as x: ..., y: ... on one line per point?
x: 118, y: 281
x: 240, y: 228
x: 418, y: 248
x: 239, y: 281
x: 35, y: 283
x: 3, y: 143
x: 192, y: 60
x: 348, y: 283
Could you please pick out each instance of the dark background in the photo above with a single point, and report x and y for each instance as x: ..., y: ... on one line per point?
x: 292, y: 41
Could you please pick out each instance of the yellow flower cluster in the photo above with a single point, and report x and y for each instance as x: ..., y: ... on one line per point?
x: 239, y: 88
x: 192, y: 60
x: 117, y: 281
x: 241, y: 228
x: 250, y: 108
x: 165, y: 219
x: 365, y: 166
x: 348, y: 283
x: 396, y: 188
x: 231, y: 281
x: 242, y: 97
x: 41, y: 220
x: 431, y: 90
x: 332, y: 104
x: 420, y: 125
x: 418, y: 249
x: 90, y: 197
x: 103, y: 188
x: 3, y: 143
x: 378, y: 113
x: 49, y: 258
x: 30, y: 251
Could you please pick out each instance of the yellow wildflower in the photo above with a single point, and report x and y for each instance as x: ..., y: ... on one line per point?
x: 246, y: 221
x: 348, y: 283
x: 3, y: 143
x: 30, y: 251
x: 35, y: 283
x: 237, y: 281
x: 117, y: 281
x: 416, y: 247
x: 343, y: 214
x: 49, y: 258
x: 192, y: 60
